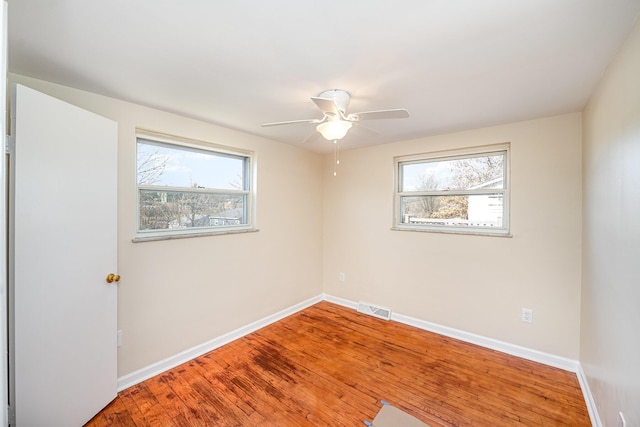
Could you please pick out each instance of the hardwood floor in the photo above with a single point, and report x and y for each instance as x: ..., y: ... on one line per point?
x: 331, y: 366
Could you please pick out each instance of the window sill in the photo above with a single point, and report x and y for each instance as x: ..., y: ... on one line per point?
x: 464, y: 232
x: 156, y: 237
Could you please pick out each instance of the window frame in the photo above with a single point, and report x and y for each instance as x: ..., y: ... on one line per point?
x: 188, y: 144
x: 399, y: 195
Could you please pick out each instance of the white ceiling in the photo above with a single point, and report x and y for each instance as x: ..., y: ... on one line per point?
x: 454, y: 64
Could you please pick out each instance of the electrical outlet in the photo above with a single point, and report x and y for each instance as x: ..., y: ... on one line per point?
x: 623, y: 422
x: 341, y: 277
x: 527, y: 315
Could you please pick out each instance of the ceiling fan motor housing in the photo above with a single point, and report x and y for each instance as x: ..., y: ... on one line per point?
x: 339, y: 97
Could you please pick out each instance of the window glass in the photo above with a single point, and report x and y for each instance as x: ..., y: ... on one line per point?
x: 184, y: 189
x: 461, y: 193
x: 484, y: 210
x: 454, y: 174
x: 174, y: 166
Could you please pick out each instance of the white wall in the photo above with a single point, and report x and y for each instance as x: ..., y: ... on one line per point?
x: 610, y: 340
x: 478, y: 284
x: 180, y: 293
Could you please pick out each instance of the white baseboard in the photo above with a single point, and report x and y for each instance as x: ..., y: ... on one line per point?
x: 588, y: 397
x: 154, y: 369
x: 515, y: 350
x: 340, y: 301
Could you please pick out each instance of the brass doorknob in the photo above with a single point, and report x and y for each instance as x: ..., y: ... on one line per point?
x: 113, y: 278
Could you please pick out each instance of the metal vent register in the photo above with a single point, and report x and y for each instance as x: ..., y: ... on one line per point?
x: 372, y: 310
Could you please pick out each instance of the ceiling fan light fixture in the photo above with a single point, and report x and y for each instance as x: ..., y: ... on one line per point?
x: 333, y: 130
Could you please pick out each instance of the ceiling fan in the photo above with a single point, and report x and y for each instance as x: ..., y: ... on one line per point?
x: 335, y: 122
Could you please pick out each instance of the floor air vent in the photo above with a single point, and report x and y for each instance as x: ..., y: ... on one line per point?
x: 372, y: 310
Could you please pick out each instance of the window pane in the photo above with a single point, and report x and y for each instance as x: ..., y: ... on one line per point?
x: 163, y: 165
x: 470, y: 173
x: 178, y: 210
x: 481, y: 210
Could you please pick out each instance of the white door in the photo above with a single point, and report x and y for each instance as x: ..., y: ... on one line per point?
x: 65, y: 246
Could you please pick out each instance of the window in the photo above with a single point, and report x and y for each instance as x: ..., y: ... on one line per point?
x: 187, y: 188
x: 462, y: 192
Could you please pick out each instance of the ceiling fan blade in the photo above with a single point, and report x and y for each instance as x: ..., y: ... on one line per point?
x: 290, y: 122
x: 327, y: 106
x: 400, y: 113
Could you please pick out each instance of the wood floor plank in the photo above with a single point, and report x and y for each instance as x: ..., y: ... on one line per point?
x: 330, y: 366
x: 144, y: 408
x: 272, y: 403
x: 216, y: 377
x: 173, y: 402
x: 118, y: 415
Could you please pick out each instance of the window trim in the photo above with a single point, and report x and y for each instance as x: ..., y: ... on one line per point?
x: 198, y: 145
x: 398, y: 194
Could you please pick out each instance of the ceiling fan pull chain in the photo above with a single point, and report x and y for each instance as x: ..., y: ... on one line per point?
x: 336, y: 161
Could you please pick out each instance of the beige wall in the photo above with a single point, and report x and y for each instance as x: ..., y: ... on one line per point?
x: 478, y: 284
x: 177, y: 294
x: 181, y: 293
x: 610, y: 340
